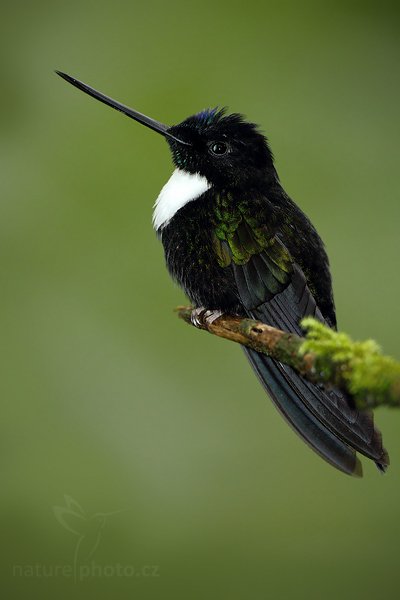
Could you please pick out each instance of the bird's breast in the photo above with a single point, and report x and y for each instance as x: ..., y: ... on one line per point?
x: 189, y: 247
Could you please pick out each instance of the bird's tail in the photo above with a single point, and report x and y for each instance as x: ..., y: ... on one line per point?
x: 325, y: 420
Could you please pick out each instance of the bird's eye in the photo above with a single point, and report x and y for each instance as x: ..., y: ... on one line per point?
x: 218, y: 148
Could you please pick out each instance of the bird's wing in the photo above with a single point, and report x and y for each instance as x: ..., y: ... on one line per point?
x: 273, y: 289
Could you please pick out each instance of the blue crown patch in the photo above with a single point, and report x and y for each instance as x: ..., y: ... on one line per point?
x: 208, y: 116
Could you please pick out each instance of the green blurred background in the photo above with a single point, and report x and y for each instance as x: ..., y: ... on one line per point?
x: 108, y: 398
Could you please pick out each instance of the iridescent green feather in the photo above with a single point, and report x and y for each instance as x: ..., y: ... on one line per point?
x: 240, y: 235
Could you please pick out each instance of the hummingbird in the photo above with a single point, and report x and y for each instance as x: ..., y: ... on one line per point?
x: 236, y: 243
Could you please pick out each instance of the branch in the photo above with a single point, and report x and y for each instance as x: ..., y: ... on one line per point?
x: 322, y: 356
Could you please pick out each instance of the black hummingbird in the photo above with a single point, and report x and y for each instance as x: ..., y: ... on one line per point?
x: 237, y: 244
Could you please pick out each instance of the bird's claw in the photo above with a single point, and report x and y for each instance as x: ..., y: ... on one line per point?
x: 196, y: 316
x: 202, y: 316
x: 212, y: 315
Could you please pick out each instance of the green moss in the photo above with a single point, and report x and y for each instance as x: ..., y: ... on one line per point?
x: 371, y: 377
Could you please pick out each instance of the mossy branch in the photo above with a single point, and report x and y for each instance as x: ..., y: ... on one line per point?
x: 322, y: 356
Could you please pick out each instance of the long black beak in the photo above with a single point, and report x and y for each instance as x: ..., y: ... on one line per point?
x: 133, y: 114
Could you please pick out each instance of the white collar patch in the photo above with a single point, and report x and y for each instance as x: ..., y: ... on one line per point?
x: 181, y: 188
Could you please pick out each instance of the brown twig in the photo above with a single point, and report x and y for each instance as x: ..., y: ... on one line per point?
x: 322, y: 356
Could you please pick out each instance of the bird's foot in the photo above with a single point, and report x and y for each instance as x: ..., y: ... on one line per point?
x: 197, y: 316
x: 202, y: 316
x: 212, y: 315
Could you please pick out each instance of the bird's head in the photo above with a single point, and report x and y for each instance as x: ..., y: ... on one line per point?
x: 225, y: 149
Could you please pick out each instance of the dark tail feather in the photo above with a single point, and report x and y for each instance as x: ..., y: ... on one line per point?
x: 313, y: 432
x: 324, y: 418
x: 288, y: 396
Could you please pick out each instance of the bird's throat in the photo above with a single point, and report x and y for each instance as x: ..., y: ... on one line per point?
x: 181, y: 188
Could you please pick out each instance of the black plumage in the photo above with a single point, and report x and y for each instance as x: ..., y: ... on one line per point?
x: 261, y: 289
x: 241, y: 245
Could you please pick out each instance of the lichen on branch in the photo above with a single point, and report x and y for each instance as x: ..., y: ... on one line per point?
x: 321, y: 356
x: 370, y: 377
